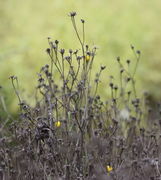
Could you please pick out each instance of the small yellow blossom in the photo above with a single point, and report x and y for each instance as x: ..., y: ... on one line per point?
x: 87, y: 58
x: 109, y: 168
x: 57, y: 123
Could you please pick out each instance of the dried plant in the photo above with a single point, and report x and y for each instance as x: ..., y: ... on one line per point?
x: 72, y: 133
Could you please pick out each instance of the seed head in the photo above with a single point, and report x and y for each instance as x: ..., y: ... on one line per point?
x: 72, y: 14
x: 68, y: 58
x: 116, y: 87
x: 128, y: 61
x: 138, y: 52
x: 48, y: 50
x: 118, y: 59
x: 111, y: 85
x: 128, y: 79
x: 87, y: 47
x: 103, y: 67
x: 47, y: 66
x: 75, y: 52
x: 121, y: 71
x: 83, y: 21
x: 56, y: 42
x: 79, y: 58
x: 62, y: 51
x: 70, y: 51
x: 132, y: 47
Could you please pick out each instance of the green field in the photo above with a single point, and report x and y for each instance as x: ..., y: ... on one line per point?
x: 110, y: 25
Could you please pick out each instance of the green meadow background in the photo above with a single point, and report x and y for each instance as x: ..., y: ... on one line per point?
x: 110, y: 25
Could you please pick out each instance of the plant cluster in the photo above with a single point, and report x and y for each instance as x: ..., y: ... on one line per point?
x: 72, y: 133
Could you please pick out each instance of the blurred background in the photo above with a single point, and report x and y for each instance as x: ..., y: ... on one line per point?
x: 110, y: 25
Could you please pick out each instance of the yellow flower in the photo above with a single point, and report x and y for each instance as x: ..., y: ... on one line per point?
x: 109, y: 168
x: 87, y: 58
x: 57, y: 123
